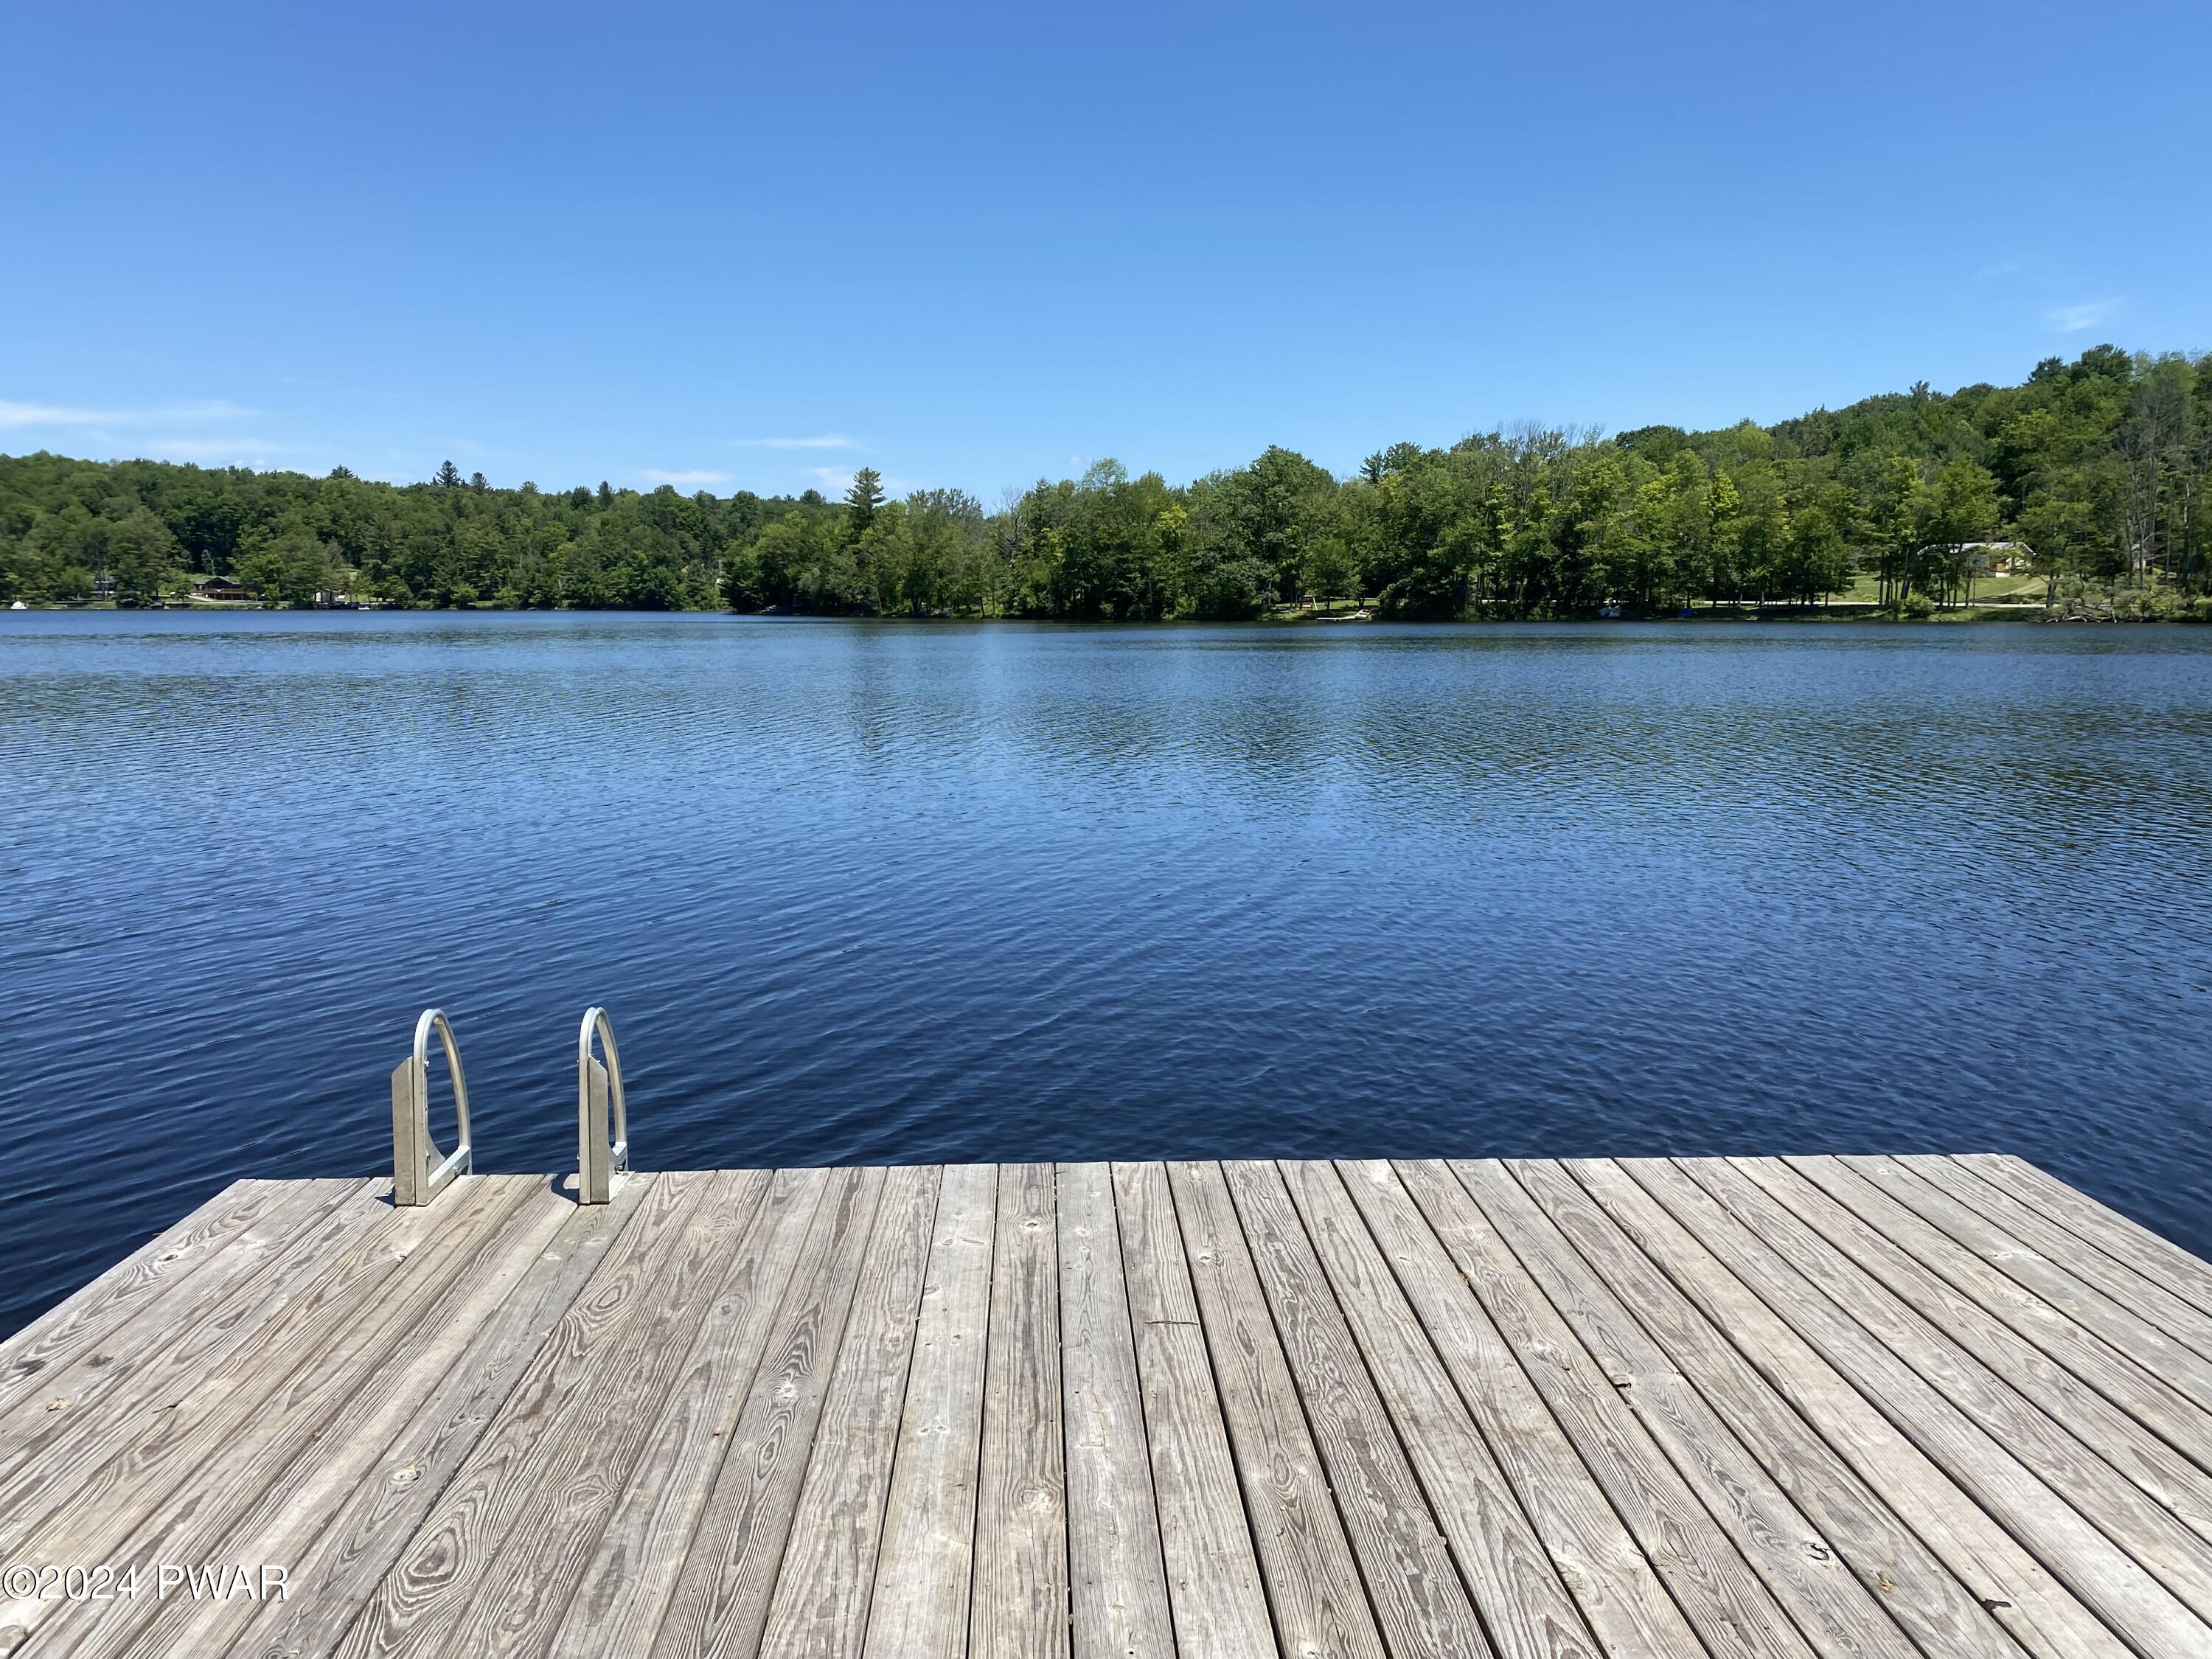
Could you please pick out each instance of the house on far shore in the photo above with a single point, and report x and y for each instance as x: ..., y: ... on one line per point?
x: 1997, y: 558
x: 219, y: 587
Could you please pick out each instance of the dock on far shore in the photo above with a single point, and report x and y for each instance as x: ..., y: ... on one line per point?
x: 1935, y: 1407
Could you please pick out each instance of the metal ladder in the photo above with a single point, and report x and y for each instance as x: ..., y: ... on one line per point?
x: 598, y: 1160
x: 419, y: 1174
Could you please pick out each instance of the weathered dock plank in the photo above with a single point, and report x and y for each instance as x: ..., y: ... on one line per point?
x: 820, y: 1608
x: 1619, y: 1595
x: 2145, y: 1528
x: 2158, y: 1259
x: 2101, y: 1576
x: 1525, y: 1608
x: 1951, y: 1575
x: 1560, y: 1234
x: 720, y: 1604
x: 925, y: 1567
x: 1418, y: 1599
x: 363, y: 1531
x: 156, y: 1419
x: 640, y: 1545
x: 602, y: 1451
x: 1887, y: 1408
x: 66, y: 1386
x: 1213, y: 1575
x: 1018, y: 1605
x: 1698, y: 1561
x: 1305, y: 1555
x: 2128, y: 1384
x: 2128, y: 1442
x: 2086, y: 1303
x: 2145, y: 1292
x: 445, y: 1558
x: 273, y: 1486
x: 1117, y: 1585
x: 35, y: 1361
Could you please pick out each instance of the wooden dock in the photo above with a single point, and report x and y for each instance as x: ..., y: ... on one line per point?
x: 1941, y: 1407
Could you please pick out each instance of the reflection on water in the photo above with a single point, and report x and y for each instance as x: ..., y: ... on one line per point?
x: 876, y: 892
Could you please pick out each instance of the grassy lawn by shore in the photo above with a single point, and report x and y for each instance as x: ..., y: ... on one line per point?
x: 1994, y: 597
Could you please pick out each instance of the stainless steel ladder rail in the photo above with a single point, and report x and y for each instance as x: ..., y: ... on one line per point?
x: 599, y: 1160
x: 418, y: 1174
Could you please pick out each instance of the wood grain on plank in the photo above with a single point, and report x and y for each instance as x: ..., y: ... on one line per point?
x: 1314, y: 1586
x: 1117, y: 1586
x: 2131, y: 1288
x: 1019, y: 1603
x: 2143, y: 1529
x: 1954, y: 1579
x: 1524, y: 1606
x: 2175, y: 1417
x: 1565, y: 1237
x: 1219, y: 1606
x: 720, y: 1605
x: 270, y: 1490
x: 443, y: 1565
x: 68, y: 1330
x: 133, y: 1431
x: 638, y: 1554
x: 2184, y: 1490
x: 368, y: 1527
x: 2088, y: 1305
x: 590, y: 1460
x: 1621, y: 1596
x: 926, y: 1566
x: 2102, y: 1576
x: 820, y: 1607
x: 1727, y: 1604
x: 2121, y: 1237
x: 206, y: 1454
x: 158, y: 1345
x: 208, y: 1459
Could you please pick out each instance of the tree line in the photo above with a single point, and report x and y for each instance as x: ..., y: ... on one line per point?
x: 2098, y: 467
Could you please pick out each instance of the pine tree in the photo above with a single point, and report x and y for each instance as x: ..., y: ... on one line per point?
x: 863, y: 497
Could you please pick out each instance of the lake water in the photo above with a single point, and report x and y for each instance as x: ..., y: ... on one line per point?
x: 860, y: 892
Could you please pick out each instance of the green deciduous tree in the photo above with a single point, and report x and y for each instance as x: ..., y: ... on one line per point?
x: 2103, y: 464
x: 142, y: 556
x: 285, y: 564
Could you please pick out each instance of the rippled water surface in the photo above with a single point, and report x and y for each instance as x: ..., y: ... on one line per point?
x: 858, y: 892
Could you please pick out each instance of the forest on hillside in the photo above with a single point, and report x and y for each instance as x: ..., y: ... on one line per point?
x: 2101, y: 467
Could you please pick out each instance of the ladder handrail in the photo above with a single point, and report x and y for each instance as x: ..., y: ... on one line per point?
x: 599, y: 1160
x: 417, y: 1173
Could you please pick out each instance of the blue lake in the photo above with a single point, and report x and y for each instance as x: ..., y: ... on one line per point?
x: 863, y: 892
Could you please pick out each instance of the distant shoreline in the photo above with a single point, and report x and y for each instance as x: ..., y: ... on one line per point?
x: 1700, y: 615
x: 2079, y: 487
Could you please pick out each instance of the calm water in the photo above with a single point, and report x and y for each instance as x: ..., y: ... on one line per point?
x: 859, y: 892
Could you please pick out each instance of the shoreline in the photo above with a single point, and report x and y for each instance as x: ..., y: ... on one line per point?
x: 1700, y: 615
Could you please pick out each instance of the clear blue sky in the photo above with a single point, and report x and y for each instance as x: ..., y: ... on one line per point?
x: 754, y: 246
